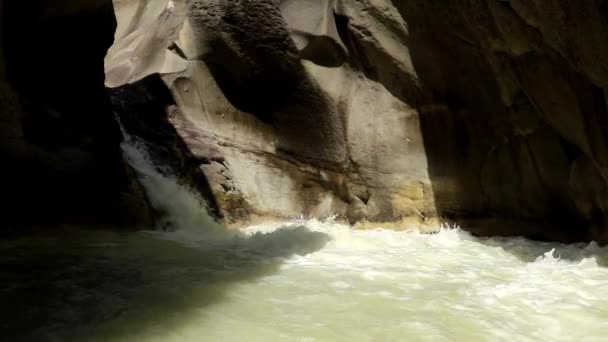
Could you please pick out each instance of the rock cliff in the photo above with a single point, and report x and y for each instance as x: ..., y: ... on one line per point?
x: 492, y: 113
x: 59, y: 143
x: 486, y: 112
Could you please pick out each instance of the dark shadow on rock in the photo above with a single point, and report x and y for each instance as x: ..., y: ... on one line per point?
x: 63, y: 164
x: 499, y: 226
x: 531, y: 251
x: 324, y: 51
x: 492, y: 153
x: 257, y: 87
x: 143, y: 108
x: 102, y: 286
x: 253, y: 59
x: 249, y: 52
x: 377, y: 64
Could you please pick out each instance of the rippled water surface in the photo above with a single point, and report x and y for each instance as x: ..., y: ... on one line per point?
x: 307, y: 281
x: 297, y: 281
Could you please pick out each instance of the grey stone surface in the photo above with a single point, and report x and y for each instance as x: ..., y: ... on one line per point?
x: 387, y: 110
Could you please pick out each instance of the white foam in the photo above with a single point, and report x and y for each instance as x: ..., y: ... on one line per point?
x: 180, y: 209
x: 386, y: 285
x: 339, y: 284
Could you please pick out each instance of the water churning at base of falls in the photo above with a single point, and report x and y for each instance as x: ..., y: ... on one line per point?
x: 305, y: 280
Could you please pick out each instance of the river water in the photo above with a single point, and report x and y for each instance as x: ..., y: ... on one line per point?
x: 303, y: 280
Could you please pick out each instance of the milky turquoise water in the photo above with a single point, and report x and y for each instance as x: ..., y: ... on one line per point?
x: 303, y: 280
x: 300, y: 281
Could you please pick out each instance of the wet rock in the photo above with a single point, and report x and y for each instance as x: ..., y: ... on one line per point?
x: 435, y: 110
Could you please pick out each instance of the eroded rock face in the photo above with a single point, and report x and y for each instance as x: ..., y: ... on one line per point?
x: 294, y: 137
x: 523, y: 90
x: 385, y: 110
x: 59, y: 144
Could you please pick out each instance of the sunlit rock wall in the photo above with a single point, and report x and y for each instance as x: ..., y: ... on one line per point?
x: 484, y: 111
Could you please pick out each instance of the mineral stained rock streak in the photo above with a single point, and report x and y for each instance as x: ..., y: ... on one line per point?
x: 491, y: 113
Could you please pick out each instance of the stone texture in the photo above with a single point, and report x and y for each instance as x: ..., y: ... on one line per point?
x: 313, y: 29
x: 143, y: 46
x: 523, y: 89
x: 481, y: 111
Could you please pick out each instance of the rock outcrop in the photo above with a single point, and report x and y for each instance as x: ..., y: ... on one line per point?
x: 521, y: 89
x: 488, y: 112
x: 59, y: 143
x: 289, y: 137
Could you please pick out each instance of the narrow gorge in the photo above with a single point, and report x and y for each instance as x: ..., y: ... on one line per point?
x: 492, y: 114
x: 309, y: 170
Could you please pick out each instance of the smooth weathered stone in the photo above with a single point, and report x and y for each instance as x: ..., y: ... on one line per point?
x: 490, y: 111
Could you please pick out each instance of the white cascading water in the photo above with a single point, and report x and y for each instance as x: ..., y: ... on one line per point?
x: 322, y: 281
x: 181, y: 209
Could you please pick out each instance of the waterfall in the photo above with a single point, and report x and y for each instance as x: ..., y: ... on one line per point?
x: 301, y: 280
x: 180, y: 208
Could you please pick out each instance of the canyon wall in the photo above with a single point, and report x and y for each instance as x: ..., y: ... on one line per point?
x: 59, y: 143
x: 491, y: 113
x: 281, y: 122
x: 487, y: 112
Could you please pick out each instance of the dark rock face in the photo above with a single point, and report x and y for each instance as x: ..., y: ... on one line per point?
x: 59, y: 144
x: 485, y: 112
x: 147, y: 111
x: 515, y: 116
x: 479, y: 111
x: 253, y: 70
